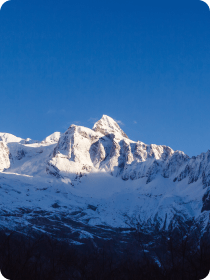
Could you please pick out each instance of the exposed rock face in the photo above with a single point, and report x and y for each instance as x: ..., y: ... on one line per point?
x: 196, y: 168
x: 107, y: 125
x: 4, y: 156
x: 72, y: 155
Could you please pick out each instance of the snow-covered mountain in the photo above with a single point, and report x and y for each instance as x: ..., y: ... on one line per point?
x: 99, y: 177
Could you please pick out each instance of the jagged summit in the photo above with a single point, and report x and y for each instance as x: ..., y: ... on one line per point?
x: 106, y: 125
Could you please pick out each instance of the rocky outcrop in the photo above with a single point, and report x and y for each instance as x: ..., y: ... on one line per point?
x: 72, y: 156
x: 196, y: 168
x: 107, y: 125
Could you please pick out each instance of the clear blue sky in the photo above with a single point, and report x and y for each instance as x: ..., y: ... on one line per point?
x: 145, y: 63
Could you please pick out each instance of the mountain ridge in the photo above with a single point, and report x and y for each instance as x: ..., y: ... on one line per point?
x: 127, y: 183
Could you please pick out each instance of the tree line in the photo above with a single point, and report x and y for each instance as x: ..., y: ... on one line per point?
x: 169, y: 255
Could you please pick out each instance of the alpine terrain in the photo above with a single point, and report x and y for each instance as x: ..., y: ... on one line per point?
x: 93, y: 185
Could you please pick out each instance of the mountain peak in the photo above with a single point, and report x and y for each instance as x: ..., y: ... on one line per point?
x: 106, y: 125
